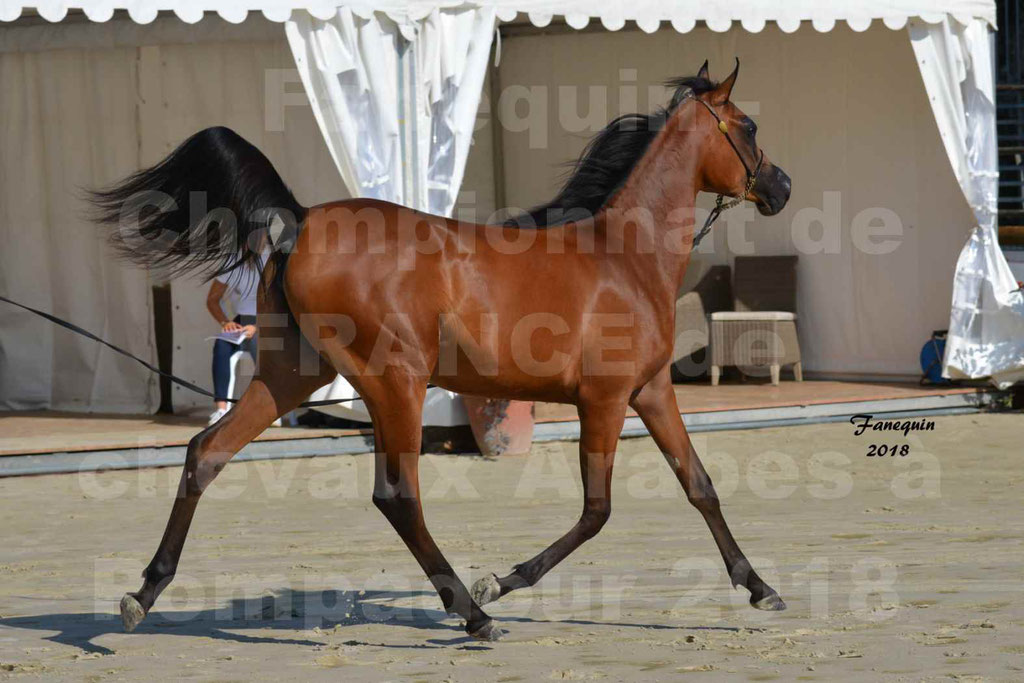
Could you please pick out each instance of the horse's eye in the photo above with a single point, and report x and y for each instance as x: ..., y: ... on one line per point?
x: 752, y: 128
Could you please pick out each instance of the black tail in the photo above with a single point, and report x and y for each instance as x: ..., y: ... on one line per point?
x: 205, y: 208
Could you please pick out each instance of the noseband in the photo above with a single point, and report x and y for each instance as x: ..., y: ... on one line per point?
x: 720, y: 203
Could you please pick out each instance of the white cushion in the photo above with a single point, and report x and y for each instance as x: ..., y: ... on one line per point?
x: 753, y: 315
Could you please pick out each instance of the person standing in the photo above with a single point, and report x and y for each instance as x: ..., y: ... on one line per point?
x: 238, y: 334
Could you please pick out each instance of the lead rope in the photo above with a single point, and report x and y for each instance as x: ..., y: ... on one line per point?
x: 720, y: 203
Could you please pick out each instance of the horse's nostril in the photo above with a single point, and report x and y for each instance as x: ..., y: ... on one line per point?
x: 787, y: 185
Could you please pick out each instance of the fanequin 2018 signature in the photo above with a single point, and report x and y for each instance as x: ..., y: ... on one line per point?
x: 863, y: 423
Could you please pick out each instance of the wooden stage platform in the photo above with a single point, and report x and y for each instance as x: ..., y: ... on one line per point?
x: 41, y: 442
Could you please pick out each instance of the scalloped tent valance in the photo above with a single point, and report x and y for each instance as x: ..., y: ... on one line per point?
x: 682, y: 15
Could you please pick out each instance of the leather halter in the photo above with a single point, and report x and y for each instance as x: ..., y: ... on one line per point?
x: 720, y: 203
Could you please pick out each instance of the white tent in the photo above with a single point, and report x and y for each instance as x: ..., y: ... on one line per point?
x: 394, y: 89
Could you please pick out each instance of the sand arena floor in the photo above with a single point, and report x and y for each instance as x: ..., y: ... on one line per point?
x: 905, y: 568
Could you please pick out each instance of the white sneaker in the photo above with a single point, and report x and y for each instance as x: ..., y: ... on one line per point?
x: 216, y: 415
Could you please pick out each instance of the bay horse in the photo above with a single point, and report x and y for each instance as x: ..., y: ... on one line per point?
x: 395, y: 299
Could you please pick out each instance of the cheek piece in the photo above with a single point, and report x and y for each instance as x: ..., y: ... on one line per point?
x: 720, y: 202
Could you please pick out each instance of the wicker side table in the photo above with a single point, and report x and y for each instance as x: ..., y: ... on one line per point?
x: 754, y: 338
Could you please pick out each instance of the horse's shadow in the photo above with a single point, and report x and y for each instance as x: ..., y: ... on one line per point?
x: 286, y: 610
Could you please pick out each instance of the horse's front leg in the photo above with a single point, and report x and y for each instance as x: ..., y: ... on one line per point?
x: 656, y: 405
x: 600, y: 427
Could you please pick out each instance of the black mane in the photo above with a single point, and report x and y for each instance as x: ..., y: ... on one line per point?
x: 607, y: 161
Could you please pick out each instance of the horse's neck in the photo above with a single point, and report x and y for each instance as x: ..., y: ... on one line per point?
x: 663, y: 189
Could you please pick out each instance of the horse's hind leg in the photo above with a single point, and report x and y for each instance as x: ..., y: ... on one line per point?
x: 279, y: 387
x: 656, y: 405
x: 600, y: 427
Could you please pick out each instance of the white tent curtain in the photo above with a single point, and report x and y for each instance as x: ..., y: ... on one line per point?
x: 986, y: 328
x: 363, y: 74
x: 396, y: 101
x: 348, y: 66
x: 68, y: 122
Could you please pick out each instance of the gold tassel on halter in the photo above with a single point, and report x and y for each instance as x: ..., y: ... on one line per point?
x: 723, y: 127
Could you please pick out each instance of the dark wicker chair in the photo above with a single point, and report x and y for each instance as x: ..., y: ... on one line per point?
x: 690, y: 357
x: 761, y: 331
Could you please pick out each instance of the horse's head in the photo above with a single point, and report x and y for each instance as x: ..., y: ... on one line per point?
x: 732, y: 162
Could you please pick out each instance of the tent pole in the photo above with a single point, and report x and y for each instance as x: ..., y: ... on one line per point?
x: 497, y: 134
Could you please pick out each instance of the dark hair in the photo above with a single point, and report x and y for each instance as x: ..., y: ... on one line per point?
x: 164, y: 229
x: 608, y: 159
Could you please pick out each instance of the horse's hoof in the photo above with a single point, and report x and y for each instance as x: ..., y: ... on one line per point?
x: 489, y: 632
x: 769, y: 603
x: 131, y: 612
x: 486, y: 589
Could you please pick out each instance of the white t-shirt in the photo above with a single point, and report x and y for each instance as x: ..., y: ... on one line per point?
x: 242, y: 285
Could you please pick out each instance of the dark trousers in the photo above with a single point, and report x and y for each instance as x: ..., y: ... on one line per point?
x: 225, y: 359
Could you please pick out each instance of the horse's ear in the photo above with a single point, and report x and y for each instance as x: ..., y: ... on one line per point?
x: 724, y: 89
x: 703, y: 73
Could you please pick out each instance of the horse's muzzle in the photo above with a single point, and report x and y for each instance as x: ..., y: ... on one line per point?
x: 772, y: 190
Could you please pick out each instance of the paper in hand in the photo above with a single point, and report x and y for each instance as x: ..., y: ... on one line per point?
x: 235, y: 338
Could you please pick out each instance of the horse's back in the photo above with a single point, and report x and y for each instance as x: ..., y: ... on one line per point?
x: 487, y: 308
